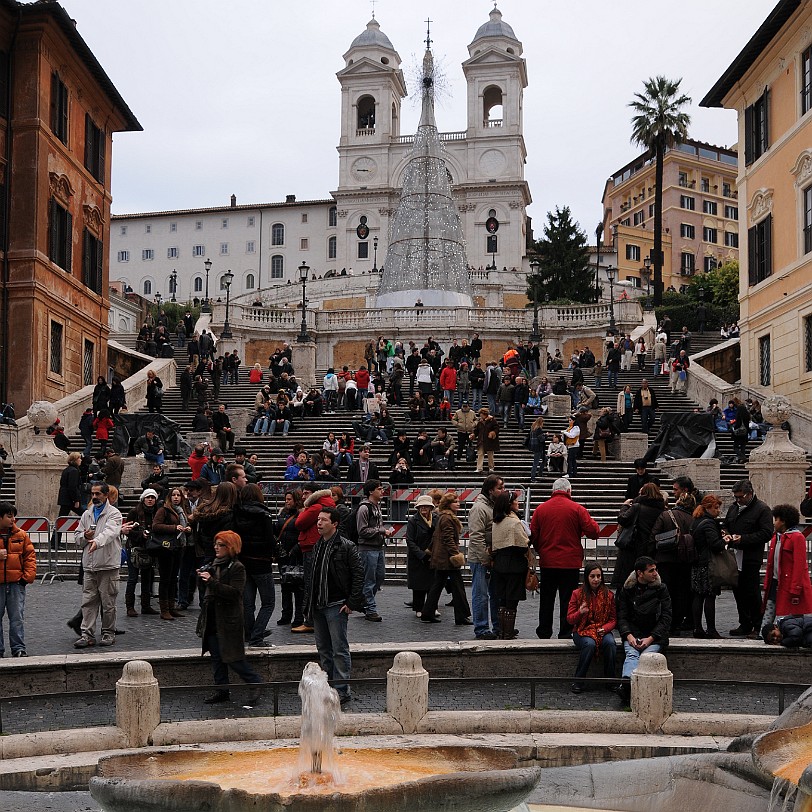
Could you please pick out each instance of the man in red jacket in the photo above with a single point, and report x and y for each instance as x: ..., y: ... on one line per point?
x: 362, y: 379
x: 556, y: 530
x: 18, y: 568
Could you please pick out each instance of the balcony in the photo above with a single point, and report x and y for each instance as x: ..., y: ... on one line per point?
x: 492, y: 122
x: 365, y: 131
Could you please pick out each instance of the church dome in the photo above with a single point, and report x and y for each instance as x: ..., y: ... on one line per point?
x: 495, y: 27
x: 372, y: 36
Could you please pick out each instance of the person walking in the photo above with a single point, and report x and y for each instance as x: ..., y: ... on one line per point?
x: 486, y: 436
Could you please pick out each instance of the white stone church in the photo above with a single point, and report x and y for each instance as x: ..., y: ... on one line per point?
x: 264, y: 244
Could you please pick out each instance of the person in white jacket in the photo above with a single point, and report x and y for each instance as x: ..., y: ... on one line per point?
x: 330, y: 387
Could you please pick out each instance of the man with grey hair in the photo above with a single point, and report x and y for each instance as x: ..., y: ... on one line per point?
x: 747, y: 528
x: 555, y: 531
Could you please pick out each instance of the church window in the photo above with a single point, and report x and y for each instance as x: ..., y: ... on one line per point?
x: 147, y: 287
x: 249, y: 281
x: 492, y: 110
x: 277, y: 266
x: 277, y: 234
x: 332, y: 248
x: 366, y: 113
x: 198, y: 284
x: 363, y: 250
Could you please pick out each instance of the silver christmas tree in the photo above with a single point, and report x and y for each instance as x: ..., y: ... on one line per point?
x: 426, y: 256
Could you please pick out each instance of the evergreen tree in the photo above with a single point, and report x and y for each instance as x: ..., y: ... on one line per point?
x: 563, y: 256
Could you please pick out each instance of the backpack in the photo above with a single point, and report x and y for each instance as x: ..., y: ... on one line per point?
x: 348, y: 526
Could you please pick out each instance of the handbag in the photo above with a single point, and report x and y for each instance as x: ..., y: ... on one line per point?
x: 667, y: 540
x: 292, y: 575
x: 625, y: 538
x: 683, y: 375
x: 740, y: 432
x: 531, y: 580
x: 140, y: 558
x: 722, y: 569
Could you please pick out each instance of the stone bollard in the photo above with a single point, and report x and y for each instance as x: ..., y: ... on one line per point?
x: 633, y: 444
x: 138, y: 703
x: 652, y: 691
x: 558, y: 405
x: 407, y: 690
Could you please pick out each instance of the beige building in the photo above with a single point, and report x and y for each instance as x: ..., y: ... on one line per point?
x: 769, y: 84
x: 700, y: 212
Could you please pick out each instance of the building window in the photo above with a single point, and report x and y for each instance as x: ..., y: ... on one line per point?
x: 764, y: 363
x: 731, y: 239
x: 277, y: 266
x: 332, y: 217
x: 492, y: 244
x: 303, y: 244
x: 223, y: 285
x: 633, y: 252
x: 710, y: 264
x: 732, y: 212
x: 198, y: 284
x: 224, y: 223
x: 123, y: 256
x: 808, y: 219
x: 726, y: 190
x: 683, y: 179
x: 651, y: 210
x: 709, y: 207
x: 366, y: 113
x: 251, y: 221
x: 304, y: 216
x: 87, y: 363
x: 148, y: 229
x: 626, y: 222
x: 198, y: 250
x: 704, y: 185
x: 249, y: 282
x: 710, y: 235
x: 687, y: 202
x: 198, y: 225
x: 639, y: 218
x: 688, y: 264
x: 250, y: 247
x: 171, y: 253
x: 687, y: 230
x: 363, y: 250
x: 806, y: 80
x: 147, y: 287
x: 60, y: 236
x: 808, y: 344
x: 277, y: 234
x: 56, y: 348
x: 147, y: 255
x: 332, y: 248
x: 92, y: 262
x: 760, y: 252
x: 757, y: 129
x: 223, y: 249
x: 59, y: 108
x: 124, y: 231
x: 173, y: 227
x: 172, y: 285
x: 94, y: 149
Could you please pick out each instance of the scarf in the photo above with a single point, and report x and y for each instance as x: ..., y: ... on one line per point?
x: 321, y: 565
x: 599, y: 606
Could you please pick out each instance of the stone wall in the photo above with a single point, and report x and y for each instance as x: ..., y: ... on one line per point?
x: 352, y: 303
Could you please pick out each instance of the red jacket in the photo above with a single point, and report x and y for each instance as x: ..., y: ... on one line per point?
x: 21, y: 562
x: 306, y: 520
x: 196, y: 464
x: 103, y: 425
x: 556, y: 529
x: 448, y: 378
x: 793, y: 576
x: 362, y: 379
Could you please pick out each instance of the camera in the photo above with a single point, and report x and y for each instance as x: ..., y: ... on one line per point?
x: 206, y: 568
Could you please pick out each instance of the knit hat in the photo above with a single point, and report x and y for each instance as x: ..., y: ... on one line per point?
x: 148, y: 492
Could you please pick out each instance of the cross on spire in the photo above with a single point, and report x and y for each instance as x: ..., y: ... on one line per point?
x: 429, y: 40
x: 373, y: 8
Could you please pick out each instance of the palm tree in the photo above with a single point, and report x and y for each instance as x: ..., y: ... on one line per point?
x: 659, y: 123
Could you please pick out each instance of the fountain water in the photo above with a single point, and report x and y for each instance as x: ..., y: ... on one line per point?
x: 320, y: 712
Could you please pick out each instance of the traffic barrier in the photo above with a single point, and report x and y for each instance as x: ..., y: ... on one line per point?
x: 39, y: 531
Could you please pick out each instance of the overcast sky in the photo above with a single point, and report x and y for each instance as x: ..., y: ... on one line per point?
x: 240, y: 97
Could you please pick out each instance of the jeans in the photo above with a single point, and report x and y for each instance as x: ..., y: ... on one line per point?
x: 344, y: 458
x: 646, y: 419
x: 507, y: 409
x: 88, y: 449
x: 158, y: 459
x: 476, y: 399
x: 12, y: 602
x: 532, y: 368
x: 482, y: 601
x: 611, y: 378
x: 261, y: 425
x: 450, y: 395
x: 538, y: 463
x: 261, y: 583
x: 275, y: 423
x: 187, y: 577
x: 374, y: 562
x: 330, y: 632
x: 633, y: 656
x: 572, y: 460
x: 519, y: 407
x: 220, y: 669
x: 133, y: 573
x: 586, y: 651
x: 493, y: 404
x: 552, y: 581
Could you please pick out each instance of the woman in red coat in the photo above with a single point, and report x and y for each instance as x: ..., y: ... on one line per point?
x: 787, y: 579
x: 103, y: 425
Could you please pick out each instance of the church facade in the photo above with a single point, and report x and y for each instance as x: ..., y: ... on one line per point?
x: 347, y: 232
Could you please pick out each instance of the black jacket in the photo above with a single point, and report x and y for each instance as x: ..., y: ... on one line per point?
x: 354, y: 471
x: 754, y: 523
x: 254, y: 525
x: 707, y: 538
x: 345, y: 574
x: 70, y: 487
x: 643, y: 610
x: 419, y: 574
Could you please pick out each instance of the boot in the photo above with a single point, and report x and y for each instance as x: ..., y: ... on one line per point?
x: 174, y: 611
x: 146, y: 609
x: 507, y: 620
x: 165, y: 613
x: 217, y: 697
x: 131, y: 607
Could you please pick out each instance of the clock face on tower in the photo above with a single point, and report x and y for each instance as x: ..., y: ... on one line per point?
x: 364, y: 169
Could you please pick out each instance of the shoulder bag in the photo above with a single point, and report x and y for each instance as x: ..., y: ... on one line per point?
x: 626, y: 535
x: 722, y: 569
x: 531, y: 580
x: 667, y: 540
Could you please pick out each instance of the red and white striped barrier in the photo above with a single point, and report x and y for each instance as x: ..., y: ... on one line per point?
x: 67, y: 524
x: 33, y: 524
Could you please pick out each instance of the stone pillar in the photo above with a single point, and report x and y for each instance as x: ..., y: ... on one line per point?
x: 652, y: 691
x: 777, y: 468
x: 138, y: 703
x: 137, y: 469
x: 631, y: 445
x: 39, y: 467
x: 304, y: 362
x: 704, y: 473
x: 407, y: 690
x: 558, y: 405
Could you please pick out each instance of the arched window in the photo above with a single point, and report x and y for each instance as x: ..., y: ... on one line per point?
x: 332, y: 248
x: 249, y: 282
x: 332, y: 217
x: 492, y: 110
x: 172, y: 284
x: 198, y: 284
x: 277, y: 234
x: 277, y: 266
x: 223, y: 282
x: 366, y: 113
x: 147, y: 287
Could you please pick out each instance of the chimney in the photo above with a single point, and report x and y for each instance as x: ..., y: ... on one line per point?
x: 290, y: 198
x: 233, y: 201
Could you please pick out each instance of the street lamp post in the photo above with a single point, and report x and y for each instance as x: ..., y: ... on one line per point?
x: 645, y: 272
x: 535, y: 265
x: 598, y: 237
x: 228, y: 278
x: 174, y: 284
x: 375, y: 251
x: 303, y: 337
x: 610, y: 275
x: 206, y: 303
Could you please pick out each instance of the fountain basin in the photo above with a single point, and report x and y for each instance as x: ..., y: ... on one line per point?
x: 475, y: 779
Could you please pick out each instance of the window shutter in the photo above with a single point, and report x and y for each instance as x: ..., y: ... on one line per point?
x: 88, y: 143
x: 766, y: 109
x: 752, y: 256
x: 54, y: 94
x: 52, y: 241
x: 68, y: 242
x: 102, y: 149
x: 768, y: 246
x: 748, y: 135
x: 86, y: 259
x: 99, y: 269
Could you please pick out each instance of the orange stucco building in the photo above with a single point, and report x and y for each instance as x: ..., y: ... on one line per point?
x: 769, y: 84
x: 58, y: 112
